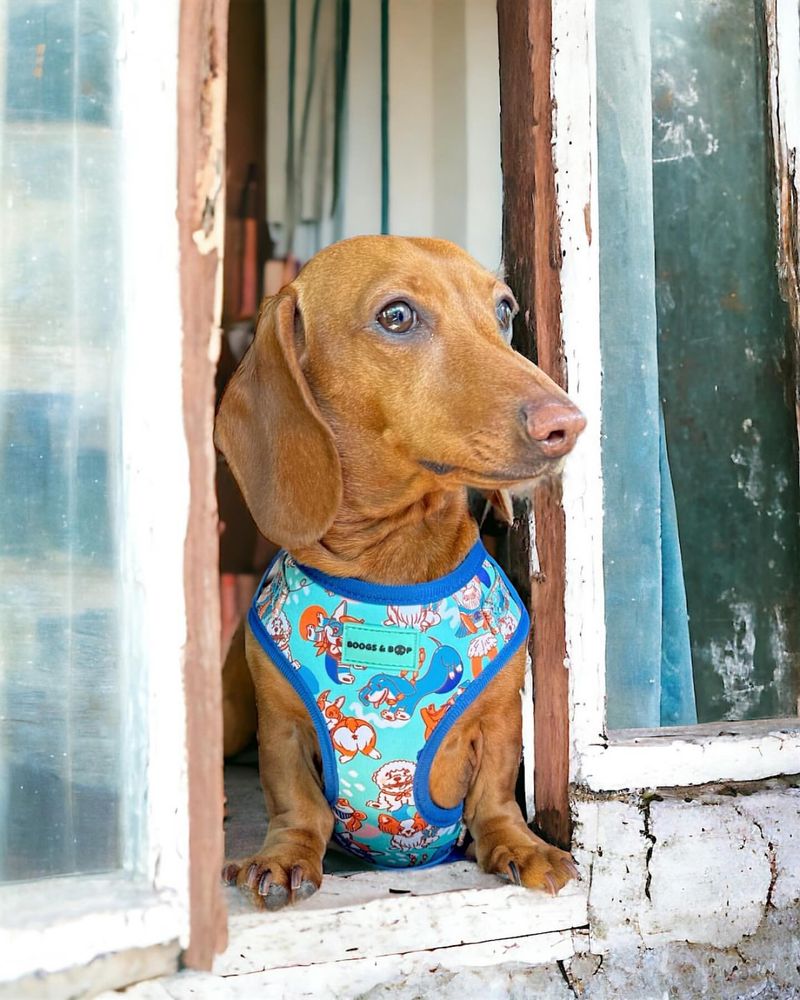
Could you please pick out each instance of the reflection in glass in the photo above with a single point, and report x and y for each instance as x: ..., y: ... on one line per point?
x: 60, y: 334
x: 693, y: 326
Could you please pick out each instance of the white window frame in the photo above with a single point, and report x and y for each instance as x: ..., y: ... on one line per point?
x: 67, y: 922
x: 603, y: 760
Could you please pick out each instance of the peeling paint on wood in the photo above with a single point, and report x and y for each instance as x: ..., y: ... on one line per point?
x: 201, y: 86
x: 532, y: 257
x: 484, y: 966
x: 783, y: 31
x: 358, y: 917
x: 738, y: 753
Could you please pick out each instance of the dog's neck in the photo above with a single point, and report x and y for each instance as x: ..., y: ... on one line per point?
x: 421, y: 536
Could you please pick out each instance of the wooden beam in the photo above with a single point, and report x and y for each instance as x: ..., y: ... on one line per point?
x: 781, y: 17
x: 245, y: 145
x: 201, y: 117
x: 532, y: 257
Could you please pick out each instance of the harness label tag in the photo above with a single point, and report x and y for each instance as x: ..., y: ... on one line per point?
x: 392, y: 649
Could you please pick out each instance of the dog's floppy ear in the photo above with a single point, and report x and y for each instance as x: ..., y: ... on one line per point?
x: 276, y: 441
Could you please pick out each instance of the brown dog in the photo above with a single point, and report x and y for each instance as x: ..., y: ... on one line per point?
x: 379, y: 386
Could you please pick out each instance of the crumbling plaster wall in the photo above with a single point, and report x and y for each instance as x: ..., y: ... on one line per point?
x: 692, y: 893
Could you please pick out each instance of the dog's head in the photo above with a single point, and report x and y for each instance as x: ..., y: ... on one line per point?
x: 386, y: 355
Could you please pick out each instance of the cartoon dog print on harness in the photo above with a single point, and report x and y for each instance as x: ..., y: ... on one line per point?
x: 348, y: 734
x: 325, y: 632
x: 411, y: 834
x: 395, y: 781
x: 400, y: 694
x: 349, y: 817
x: 269, y: 606
x: 483, y: 617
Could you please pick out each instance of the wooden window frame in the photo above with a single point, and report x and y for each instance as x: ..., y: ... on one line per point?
x: 531, y: 251
x: 258, y: 944
x: 202, y: 67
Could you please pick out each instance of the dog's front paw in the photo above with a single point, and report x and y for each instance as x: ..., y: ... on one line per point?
x: 533, y: 863
x: 277, y: 878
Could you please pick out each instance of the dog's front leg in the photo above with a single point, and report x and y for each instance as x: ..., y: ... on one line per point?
x: 503, y: 842
x: 288, y: 867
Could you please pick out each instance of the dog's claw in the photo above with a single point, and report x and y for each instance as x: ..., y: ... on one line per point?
x: 513, y: 871
x: 550, y: 884
x: 264, y: 883
x: 252, y: 876
x: 570, y: 867
x: 304, y: 890
x: 229, y: 873
x: 295, y: 877
x: 276, y: 898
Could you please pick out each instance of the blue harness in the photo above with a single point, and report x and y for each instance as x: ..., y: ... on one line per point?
x: 385, y: 672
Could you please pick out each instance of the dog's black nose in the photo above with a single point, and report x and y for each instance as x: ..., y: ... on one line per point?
x: 553, y: 425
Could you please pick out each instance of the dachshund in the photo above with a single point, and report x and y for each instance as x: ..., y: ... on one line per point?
x: 381, y: 383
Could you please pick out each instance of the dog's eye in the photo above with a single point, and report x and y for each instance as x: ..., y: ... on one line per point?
x: 505, y: 313
x: 397, y: 317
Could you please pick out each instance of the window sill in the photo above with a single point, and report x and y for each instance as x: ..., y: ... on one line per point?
x: 368, y: 915
x: 356, y: 936
x: 697, y: 755
x: 62, y: 923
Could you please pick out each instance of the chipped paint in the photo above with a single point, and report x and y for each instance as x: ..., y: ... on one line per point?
x: 733, y: 660
x: 679, y: 134
x: 749, y: 462
x: 780, y: 645
x: 720, y: 919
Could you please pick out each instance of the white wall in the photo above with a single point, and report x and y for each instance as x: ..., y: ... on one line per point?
x: 362, y: 173
x: 444, y: 124
x: 484, y: 177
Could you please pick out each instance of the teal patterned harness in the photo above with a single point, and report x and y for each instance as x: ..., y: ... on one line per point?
x: 385, y: 672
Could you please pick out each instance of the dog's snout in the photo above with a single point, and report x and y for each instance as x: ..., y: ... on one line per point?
x: 553, y: 426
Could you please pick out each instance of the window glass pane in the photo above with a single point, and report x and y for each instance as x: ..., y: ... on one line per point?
x: 61, y: 687
x: 697, y: 374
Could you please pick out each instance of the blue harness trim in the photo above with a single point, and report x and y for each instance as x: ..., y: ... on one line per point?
x: 402, y: 593
x: 330, y: 774
x: 422, y: 795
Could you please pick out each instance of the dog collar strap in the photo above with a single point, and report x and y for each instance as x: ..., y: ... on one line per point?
x: 385, y: 672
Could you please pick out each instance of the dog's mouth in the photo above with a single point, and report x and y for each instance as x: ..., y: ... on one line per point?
x: 516, y: 480
x: 437, y: 467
